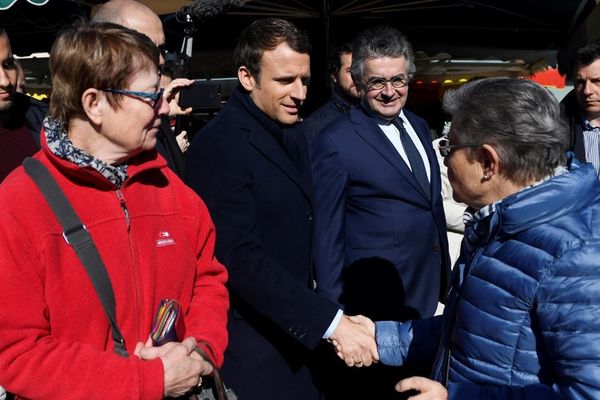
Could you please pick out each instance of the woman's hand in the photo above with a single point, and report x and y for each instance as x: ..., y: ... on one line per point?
x: 428, y: 389
x: 183, y: 367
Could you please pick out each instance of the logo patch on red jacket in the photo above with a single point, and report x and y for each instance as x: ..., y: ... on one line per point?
x: 164, y: 239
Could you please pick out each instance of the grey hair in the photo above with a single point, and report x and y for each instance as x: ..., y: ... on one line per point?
x: 378, y: 42
x: 518, y: 117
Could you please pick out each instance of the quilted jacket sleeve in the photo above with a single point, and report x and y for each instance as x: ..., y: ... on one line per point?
x: 412, y: 342
x: 568, y: 314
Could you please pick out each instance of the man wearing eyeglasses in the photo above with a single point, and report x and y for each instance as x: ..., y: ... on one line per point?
x: 380, y: 236
x: 137, y: 16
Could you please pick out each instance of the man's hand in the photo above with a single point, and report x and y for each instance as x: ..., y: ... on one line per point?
x: 428, y: 389
x: 183, y: 141
x: 354, y: 342
x: 364, y: 321
x: 183, y: 367
x: 171, y: 95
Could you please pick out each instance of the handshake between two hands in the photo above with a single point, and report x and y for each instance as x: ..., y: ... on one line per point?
x: 354, y: 341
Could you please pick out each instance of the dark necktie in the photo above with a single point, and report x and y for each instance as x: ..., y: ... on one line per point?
x: 414, y: 157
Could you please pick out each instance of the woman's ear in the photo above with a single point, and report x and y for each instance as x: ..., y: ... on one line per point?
x: 246, y: 78
x: 490, y: 161
x: 93, y: 103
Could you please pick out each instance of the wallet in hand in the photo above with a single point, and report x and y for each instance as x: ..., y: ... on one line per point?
x: 167, y: 322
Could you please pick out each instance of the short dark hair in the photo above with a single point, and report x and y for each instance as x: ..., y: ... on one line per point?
x: 335, y: 61
x: 99, y: 55
x: 379, y: 42
x: 587, y: 54
x: 266, y: 34
x: 520, y: 118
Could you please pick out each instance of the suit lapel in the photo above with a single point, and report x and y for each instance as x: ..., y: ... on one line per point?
x: 368, y: 129
x: 266, y: 145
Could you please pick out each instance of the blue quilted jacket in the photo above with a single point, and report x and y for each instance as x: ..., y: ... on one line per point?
x: 523, y: 319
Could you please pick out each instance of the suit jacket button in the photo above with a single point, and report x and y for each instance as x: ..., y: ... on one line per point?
x: 309, y: 216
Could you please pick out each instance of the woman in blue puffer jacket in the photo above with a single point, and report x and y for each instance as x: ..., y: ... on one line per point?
x: 522, y: 320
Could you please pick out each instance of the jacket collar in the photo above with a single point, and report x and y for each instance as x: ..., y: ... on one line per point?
x: 284, y: 151
x: 340, y: 102
x: 535, y: 205
x: 367, y: 128
x: 85, y: 168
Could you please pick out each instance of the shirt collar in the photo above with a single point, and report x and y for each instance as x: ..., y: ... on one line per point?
x: 587, y: 125
x: 380, y: 120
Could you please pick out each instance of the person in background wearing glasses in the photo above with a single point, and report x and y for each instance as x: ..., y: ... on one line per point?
x: 581, y: 107
x: 380, y: 236
x: 137, y: 16
x: 153, y: 233
x: 522, y: 319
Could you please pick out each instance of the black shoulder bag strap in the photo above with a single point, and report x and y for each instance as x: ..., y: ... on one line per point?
x: 76, y: 234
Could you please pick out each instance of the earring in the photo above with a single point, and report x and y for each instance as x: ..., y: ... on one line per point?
x: 486, y: 178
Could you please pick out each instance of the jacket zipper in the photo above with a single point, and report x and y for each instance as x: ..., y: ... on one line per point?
x: 448, y: 351
x: 135, y: 274
x: 124, y: 208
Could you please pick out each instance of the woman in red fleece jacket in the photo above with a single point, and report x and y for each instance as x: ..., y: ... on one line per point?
x: 153, y: 233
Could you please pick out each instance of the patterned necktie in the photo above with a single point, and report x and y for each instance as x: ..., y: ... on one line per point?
x: 414, y: 157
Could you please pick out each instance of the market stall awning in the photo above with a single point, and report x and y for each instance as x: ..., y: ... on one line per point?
x: 5, y: 4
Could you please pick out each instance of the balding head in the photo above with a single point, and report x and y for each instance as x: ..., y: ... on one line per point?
x: 133, y: 15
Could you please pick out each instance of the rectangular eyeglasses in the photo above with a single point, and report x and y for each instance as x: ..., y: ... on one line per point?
x: 153, y: 96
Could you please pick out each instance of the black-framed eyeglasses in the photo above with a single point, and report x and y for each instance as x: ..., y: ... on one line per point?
x: 446, y: 148
x: 398, y: 81
x: 153, y: 96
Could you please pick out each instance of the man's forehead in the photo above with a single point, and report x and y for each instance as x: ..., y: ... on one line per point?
x: 382, y: 66
x: 5, y: 43
x: 285, y: 60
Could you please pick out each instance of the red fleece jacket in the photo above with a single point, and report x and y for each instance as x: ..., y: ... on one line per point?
x: 156, y: 239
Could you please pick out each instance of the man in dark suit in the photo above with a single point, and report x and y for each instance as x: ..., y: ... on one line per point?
x: 343, y: 94
x: 380, y: 235
x: 581, y: 107
x: 255, y: 181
